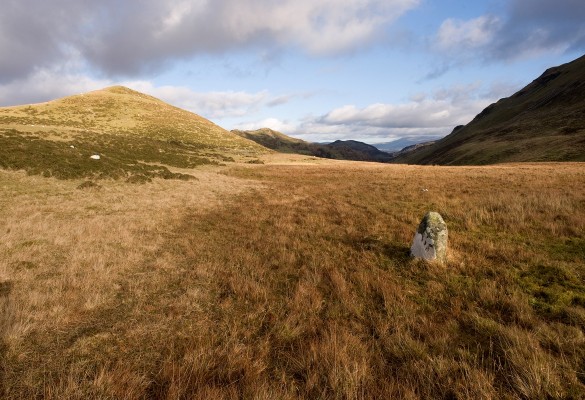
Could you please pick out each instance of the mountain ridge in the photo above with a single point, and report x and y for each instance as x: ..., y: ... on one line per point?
x: 340, y: 149
x: 544, y: 121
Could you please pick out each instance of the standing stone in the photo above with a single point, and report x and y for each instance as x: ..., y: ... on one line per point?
x: 430, y: 240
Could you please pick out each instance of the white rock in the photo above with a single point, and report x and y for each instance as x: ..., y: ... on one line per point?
x: 95, y: 157
x: 430, y: 240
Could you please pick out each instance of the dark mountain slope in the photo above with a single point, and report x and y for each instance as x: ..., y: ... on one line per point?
x: 365, y: 152
x: 340, y: 149
x: 545, y: 121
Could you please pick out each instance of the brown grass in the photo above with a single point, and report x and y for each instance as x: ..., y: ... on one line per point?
x: 294, y: 281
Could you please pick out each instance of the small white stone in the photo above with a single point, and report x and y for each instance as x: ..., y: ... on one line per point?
x: 95, y: 157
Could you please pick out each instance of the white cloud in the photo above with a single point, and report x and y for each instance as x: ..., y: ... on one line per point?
x: 313, y: 131
x: 137, y: 36
x: 273, y: 123
x: 433, y: 114
x: 461, y: 35
x: 318, y: 26
x: 215, y: 105
x: 524, y: 29
x: 424, y: 115
x: 45, y: 85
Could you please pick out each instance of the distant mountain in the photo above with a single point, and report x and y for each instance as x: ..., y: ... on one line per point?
x: 340, y: 150
x: 354, y: 150
x: 398, y: 145
x: 135, y: 136
x: 545, y: 121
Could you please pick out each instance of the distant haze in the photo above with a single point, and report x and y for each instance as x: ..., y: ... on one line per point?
x: 399, y: 144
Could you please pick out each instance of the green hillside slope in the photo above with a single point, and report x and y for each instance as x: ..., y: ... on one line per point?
x: 545, y: 121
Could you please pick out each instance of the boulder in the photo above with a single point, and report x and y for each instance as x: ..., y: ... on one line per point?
x: 430, y: 240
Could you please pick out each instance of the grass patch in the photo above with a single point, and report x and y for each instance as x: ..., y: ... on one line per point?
x: 120, y: 156
x: 299, y: 287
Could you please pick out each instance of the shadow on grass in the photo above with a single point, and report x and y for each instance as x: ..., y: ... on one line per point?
x: 396, y: 252
x: 5, y: 289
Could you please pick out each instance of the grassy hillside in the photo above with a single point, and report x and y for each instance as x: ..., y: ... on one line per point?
x: 134, y: 134
x: 545, y: 121
x: 278, y: 141
x: 294, y: 282
x: 339, y: 150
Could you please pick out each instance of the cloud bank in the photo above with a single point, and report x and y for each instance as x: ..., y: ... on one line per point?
x: 423, y: 116
x: 529, y: 27
x: 130, y: 37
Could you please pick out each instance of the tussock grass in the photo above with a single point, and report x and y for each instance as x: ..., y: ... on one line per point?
x: 268, y: 281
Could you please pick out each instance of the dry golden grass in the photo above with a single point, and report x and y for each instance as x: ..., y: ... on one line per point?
x: 294, y: 281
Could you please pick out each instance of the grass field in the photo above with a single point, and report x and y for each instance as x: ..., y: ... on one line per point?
x: 293, y: 281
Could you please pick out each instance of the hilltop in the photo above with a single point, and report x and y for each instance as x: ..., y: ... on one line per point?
x: 545, y: 121
x: 339, y: 150
x: 133, y: 133
x: 278, y: 141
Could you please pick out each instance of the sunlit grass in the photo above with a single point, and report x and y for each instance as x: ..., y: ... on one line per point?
x: 294, y: 281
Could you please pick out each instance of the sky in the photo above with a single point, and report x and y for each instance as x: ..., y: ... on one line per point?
x: 320, y: 70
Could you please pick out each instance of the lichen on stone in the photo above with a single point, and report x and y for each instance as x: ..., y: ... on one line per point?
x: 430, y: 240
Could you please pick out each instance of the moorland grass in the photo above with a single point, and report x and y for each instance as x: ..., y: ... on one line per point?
x: 272, y: 281
x: 120, y: 156
x: 137, y: 136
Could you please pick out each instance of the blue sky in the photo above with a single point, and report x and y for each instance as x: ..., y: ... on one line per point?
x: 321, y: 70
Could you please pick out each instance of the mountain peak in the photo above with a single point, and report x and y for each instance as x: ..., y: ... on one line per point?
x: 118, y: 89
x: 122, y: 90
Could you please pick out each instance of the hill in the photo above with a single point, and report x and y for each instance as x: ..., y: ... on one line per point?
x: 278, y: 141
x: 134, y: 134
x: 545, y: 121
x: 339, y: 150
x: 359, y: 151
